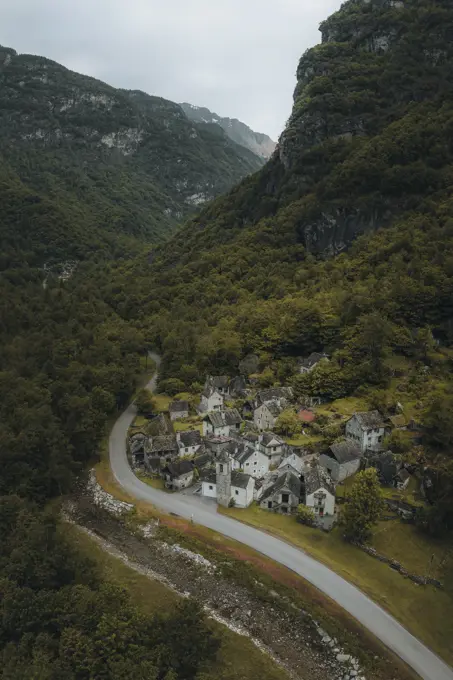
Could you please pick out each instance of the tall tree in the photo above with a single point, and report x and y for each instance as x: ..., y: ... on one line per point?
x: 362, y: 509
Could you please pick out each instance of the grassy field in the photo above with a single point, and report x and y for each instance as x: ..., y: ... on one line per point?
x: 425, y: 611
x: 188, y: 424
x: 162, y: 402
x: 155, y: 482
x: 238, y: 658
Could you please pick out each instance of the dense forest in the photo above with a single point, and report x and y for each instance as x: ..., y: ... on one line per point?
x: 343, y: 242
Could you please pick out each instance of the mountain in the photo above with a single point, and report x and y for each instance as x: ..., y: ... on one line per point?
x: 352, y: 215
x: 258, y: 143
x: 111, y: 163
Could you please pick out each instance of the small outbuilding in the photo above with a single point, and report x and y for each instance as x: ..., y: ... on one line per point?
x: 342, y: 459
x: 179, y: 410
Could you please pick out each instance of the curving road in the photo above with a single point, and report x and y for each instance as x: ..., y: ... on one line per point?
x: 374, y: 618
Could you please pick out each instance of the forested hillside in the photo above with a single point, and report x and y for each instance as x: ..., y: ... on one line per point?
x: 105, y: 165
x: 344, y: 241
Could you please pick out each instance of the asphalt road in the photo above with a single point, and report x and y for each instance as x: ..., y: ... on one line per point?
x: 374, y: 618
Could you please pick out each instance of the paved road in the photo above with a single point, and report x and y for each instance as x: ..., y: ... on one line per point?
x: 378, y: 621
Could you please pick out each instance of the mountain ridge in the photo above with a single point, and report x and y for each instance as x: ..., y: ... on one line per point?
x: 257, y: 142
x: 128, y: 163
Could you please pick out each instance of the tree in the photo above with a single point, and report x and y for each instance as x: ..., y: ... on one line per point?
x: 305, y: 516
x: 439, y: 423
x: 144, y: 402
x: 288, y: 423
x: 362, y: 509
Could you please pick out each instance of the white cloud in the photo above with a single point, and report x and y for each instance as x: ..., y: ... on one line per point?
x: 237, y: 57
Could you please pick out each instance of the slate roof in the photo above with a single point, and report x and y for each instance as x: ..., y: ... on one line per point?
x: 209, y: 391
x: 230, y: 416
x: 274, y: 393
x: 181, y: 467
x: 238, y: 479
x: 295, y: 461
x: 179, y: 406
x: 316, y: 478
x: 345, y: 451
x: 274, y: 407
x: 200, y: 461
x: 288, y: 480
x: 267, y: 437
x: 190, y: 438
x: 240, y: 451
x: 313, y: 359
x: 163, y: 443
x: 369, y: 420
x: 403, y: 475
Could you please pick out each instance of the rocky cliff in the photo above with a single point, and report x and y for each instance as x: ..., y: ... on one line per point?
x: 258, y: 143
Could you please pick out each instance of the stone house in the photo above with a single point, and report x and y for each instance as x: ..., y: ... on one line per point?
x: 318, y: 493
x: 189, y: 442
x: 278, y: 394
x: 282, y: 495
x: 226, y: 485
x: 221, y: 383
x: 272, y: 446
x: 178, y: 410
x: 137, y: 444
x: 266, y: 415
x: 211, y: 400
x: 368, y: 429
x: 163, y: 447
x: 292, y: 463
x: 178, y: 475
x: 215, y: 445
x: 308, y: 364
x: 342, y: 459
x: 387, y: 464
x: 221, y: 423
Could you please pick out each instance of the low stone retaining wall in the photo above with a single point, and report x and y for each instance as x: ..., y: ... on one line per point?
x: 397, y: 566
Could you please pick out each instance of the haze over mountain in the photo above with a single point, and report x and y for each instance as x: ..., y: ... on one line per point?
x: 108, y: 163
x: 260, y: 144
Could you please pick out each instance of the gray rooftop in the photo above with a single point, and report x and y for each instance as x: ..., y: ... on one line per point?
x: 370, y: 420
x: 190, y: 438
x: 179, y: 406
x: 316, y: 478
x: 288, y: 480
x: 345, y: 451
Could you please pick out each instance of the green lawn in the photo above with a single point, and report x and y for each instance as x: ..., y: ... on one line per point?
x: 304, y: 440
x: 155, y: 482
x: 238, y: 658
x: 162, y: 402
x: 139, y: 421
x: 188, y: 424
x: 425, y: 611
x: 345, y: 407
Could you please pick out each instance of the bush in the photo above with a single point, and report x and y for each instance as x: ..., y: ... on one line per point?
x: 306, y: 516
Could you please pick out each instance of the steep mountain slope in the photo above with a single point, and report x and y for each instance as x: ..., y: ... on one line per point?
x: 260, y: 144
x: 368, y: 145
x: 114, y: 161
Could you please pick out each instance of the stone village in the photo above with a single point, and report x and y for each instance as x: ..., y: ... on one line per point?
x: 233, y: 456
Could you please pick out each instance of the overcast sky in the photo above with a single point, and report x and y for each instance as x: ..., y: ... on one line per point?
x: 237, y: 57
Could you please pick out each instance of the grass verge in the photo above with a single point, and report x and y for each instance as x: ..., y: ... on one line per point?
x: 423, y: 610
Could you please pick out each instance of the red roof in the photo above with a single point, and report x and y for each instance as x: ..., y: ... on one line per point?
x: 306, y: 416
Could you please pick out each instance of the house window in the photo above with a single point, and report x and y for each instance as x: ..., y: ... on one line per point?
x: 210, y: 488
x: 379, y: 439
x: 221, y: 468
x: 285, y: 497
x: 236, y: 492
x: 269, y: 504
x: 284, y: 509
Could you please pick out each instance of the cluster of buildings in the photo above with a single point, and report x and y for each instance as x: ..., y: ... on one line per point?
x: 238, y: 459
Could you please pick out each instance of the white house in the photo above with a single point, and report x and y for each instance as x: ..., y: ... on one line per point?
x: 319, y: 492
x: 265, y: 416
x: 227, y: 486
x: 220, y: 424
x: 189, y: 442
x: 342, y: 459
x: 308, y: 364
x: 247, y: 457
x: 178, y: 410
x: 211, y: 400
x: 272, y: 446
x: 368, y: 430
